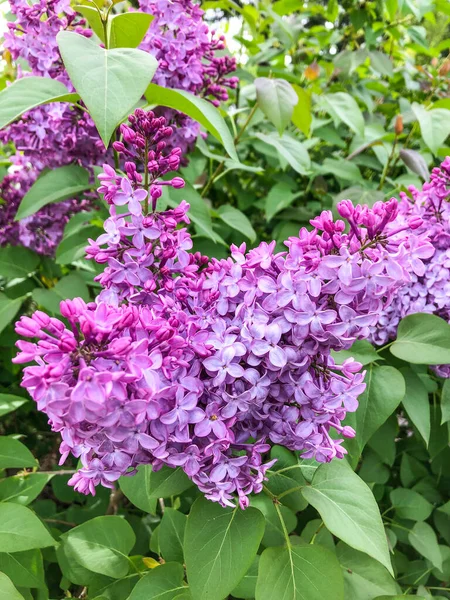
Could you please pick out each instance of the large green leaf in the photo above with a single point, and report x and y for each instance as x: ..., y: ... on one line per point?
x: 73, y: 246
x: 198, y: 109
x: 219, y: 547
x: 144, y: 488
x: 361, y: 350
x: 364, y: 577
x: 20, y: 529
x: 423, y: 339
x: 299, y: 573
x: 53, y: 186
x: 424, y: 540
x: 162, y: 583
x: 385, y: 388
x: 417, y: 403
x: 110, y: 82
x: 236, y: 219
x: 14, y: 455
x: 171, y: 534
x: 17, y: 262
x: 280, y: 196
x: 7, y: 589
x: 25, y: 569
x: 291, y: 149
x: 348, y: 509
x: 23, y: 489
x: 434, y: 125
x: 343, y: 107
x: 246, y: 588
x: 127, y: 30
x: 8, y: 310
x: 445, y: 401
x: 27, y: 93
x: 102, y: 545
x: 276, y: 99
x: 274, y: 531
x: 410, y: 505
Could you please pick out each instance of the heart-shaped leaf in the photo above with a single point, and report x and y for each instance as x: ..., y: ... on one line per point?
x: 110, y: 82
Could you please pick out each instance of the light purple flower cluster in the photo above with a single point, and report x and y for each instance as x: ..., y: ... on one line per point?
x: 201, y: 364
x: 429, y: 288
x: 187, y: 54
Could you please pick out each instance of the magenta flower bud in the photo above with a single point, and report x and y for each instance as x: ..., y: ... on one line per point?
x: 178, y: 182
x: 415, y: 222
x: 345, y: 208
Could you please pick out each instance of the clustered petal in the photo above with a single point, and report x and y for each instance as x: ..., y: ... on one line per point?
x: 203, y: 364
x: 428, y: 291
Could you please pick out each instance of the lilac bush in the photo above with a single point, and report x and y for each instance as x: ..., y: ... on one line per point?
x: 185, y: 361
x: 59, y: 134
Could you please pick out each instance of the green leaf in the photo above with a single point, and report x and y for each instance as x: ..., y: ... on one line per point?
x: 246, y: 588
x: 171, y: 532
x: 144, y: 488
x: 423, y: 339
x: 361, y: 350
x: 343, y: 107
x: 424, y: 540
x: 27, y: 93
x: 340, y: 168
x: 129, y: 29
x: 273, y: 532
x: 8, y: 590
x: 20, y: 529
x: 364, y: 577
x: 14, y: 455
x: 93, y: 17
x: 416, y: 403
x: 441, y: 518
x: 23, y: 489
x: 299, y: 573
x: 286, y: 475
x: 17, y: 262
x: 53, y: 186
x: 8, y: 310
x: 25, y: 569
x: 74, y: 245
x: 219, y: 547
x: 302, y: 115
x: 198, y: 109
x: 69, y: 287
x: 410, y: 505
x: 110, y: 82
x: 102, y: 545
x: 416, y: 162
x: 276, y: 99
x: 353, y: 517
x: 279, y: 197
x: 385, y: 388
x: 434, y: 125
x: 291, y: 149
x: 162, y: 583
x: 8, y: 402
x: 381, y: 63
x: 445, y: 401
x: 236, y: 219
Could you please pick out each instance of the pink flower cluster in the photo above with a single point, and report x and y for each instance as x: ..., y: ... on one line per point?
x: 429, y: 287
x: 200, y: 364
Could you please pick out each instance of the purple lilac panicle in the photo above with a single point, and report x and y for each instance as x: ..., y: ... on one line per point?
x: 429, y: 288
x: 202, y: 364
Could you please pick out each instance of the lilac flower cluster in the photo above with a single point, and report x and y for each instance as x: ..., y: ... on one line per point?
x: 202, y: 364
x: 429, y: 288
x: 49, y: 136
x: 187, y: 54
